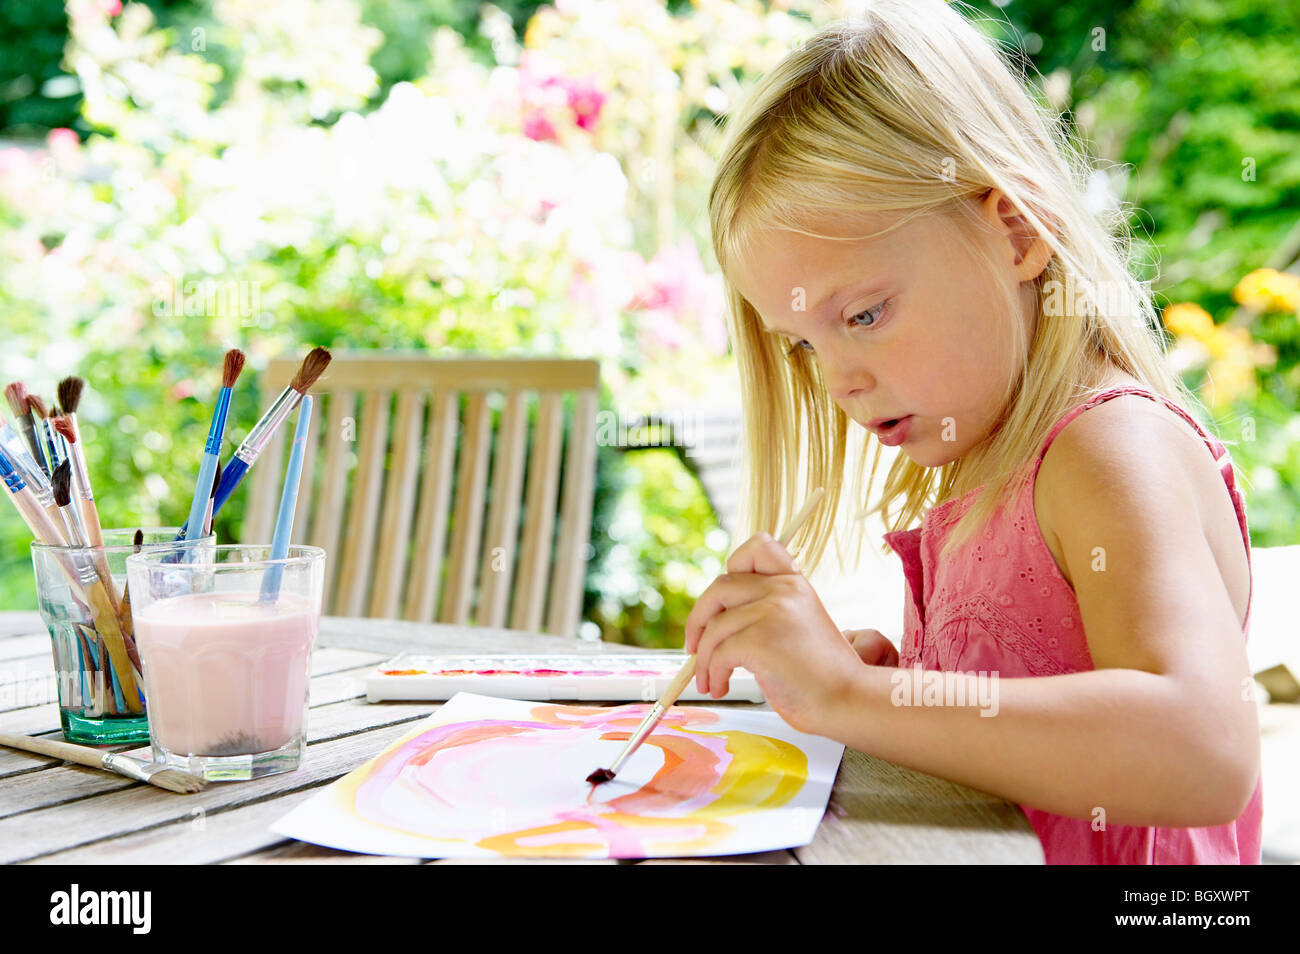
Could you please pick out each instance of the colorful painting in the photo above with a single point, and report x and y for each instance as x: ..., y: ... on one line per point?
x: 489, y: 777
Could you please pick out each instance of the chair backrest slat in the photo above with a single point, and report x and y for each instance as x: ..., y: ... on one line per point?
x: 307, y: 482
x: 358, y: 545
x: 399, y: 503
x: 326, y: 527
x: 496, y: 572
x: 539, y: 516
x: 571, y: 556
x: 431, y: 521
x: 467, y: 519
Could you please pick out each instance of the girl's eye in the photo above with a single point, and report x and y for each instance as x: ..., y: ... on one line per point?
x: 873, y: 313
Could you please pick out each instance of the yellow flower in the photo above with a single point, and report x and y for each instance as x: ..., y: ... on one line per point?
x: 1267, y: 289
x: 540, y: 29
x: 1226, y: 380
x: 1228, y: 341
x: 1189, y: 320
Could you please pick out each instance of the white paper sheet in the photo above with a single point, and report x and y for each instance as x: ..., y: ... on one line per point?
x: 489, y: 777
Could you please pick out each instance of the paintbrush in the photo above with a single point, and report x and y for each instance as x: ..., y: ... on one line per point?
x: 230, y: 369
x: 313, y: 366
x: 207, y: 515
x: 155, y: 773
x: 44, y: 432
x: 70, y: 389
x: 58, y: 446
x: 687, y: 671
x: 16, y: 394
x: 22, y: 462
x: 288, y: 504
x: 88, y: 574
x: 61, y: 481
x: 86, y: 513
x: 78, y: 525
x: 124, y: 610
x: 38, y: 521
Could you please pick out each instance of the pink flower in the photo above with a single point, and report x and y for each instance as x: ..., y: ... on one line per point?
x: 83, y: 10
x: 539, y: 128
x: 13, y: 159
x: 680, y: 295
x: 62, y: 138
x: 183, y: 389
x: 64, y: 146
x: 539, y: 84
x: 585, y: 100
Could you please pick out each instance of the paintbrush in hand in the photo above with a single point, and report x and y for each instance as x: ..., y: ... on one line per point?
x: 313, y: 366
x: 230, y: 369
x: 173, y: 780
x: 684, y: 675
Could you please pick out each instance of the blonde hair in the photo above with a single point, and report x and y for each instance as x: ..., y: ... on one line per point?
x: 912, y: 110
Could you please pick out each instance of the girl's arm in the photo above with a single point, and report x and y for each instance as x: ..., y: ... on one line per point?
x: 1165, y: 730
x: 1145, y: 748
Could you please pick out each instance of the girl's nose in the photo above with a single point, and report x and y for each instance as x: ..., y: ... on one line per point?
x: 846, y: 382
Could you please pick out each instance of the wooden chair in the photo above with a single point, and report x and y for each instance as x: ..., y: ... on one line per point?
x: 388, y: 557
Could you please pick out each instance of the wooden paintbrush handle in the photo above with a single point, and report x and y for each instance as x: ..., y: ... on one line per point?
x: 107, y: 625
x: 679, y: 683
x: 59, y: 750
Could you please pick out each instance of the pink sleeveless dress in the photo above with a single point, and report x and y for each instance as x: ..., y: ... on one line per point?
x: 1000, y: 604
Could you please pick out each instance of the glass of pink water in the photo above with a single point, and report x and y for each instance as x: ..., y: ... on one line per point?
x: 226, y: 668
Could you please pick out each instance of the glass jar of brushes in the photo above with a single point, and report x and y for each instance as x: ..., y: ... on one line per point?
x: 86, y: 605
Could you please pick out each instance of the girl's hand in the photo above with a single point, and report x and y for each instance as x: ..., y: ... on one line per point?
x: 763, y: 615
x: 872, y: 647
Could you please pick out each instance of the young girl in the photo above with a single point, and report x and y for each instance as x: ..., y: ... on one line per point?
x: 906, y: 248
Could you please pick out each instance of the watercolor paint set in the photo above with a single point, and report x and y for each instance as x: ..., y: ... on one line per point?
x: 585, y: 677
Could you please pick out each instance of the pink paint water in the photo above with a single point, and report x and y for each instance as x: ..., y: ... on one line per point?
x: 224, y: 674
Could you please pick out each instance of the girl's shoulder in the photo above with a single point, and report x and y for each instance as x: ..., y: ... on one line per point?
x: 1152, y: 451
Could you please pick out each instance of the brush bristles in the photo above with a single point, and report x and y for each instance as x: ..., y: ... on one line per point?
x: 70, y: 393
x: 61, y: 480
x: 16, y: 395
x: 231, y: 367
x: 313, y: 366
x: 63, y: 424
x: 37, y: 406
x: 138, y: 542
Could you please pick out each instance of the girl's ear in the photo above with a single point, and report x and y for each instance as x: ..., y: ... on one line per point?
x: 1029, y: 253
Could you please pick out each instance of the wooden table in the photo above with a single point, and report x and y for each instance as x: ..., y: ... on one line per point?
x: 55, y: 813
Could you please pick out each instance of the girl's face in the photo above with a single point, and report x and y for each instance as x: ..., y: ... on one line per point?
x: 906, y: 324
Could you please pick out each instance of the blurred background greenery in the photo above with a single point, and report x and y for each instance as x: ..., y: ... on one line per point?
x: 518, y: 177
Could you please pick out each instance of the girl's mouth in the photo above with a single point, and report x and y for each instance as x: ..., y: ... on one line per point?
x: 893, y: 432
